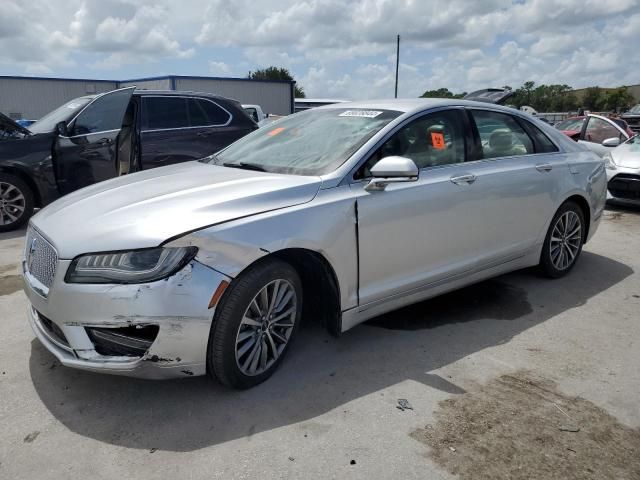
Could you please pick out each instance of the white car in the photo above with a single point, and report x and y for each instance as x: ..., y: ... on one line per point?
x: 623, y: 172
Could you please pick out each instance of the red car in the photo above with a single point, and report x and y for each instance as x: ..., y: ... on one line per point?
x: 592, y: 130
x: 573, y: 126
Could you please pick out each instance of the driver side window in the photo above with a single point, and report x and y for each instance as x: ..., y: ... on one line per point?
x: 430, y: 141
x: 103, y: 114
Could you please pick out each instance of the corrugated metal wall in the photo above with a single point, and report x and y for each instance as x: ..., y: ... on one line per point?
x: 31, y: 98
x: 153, y: 84
x: 273, y: 97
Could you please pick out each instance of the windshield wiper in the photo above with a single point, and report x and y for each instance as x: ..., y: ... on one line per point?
x: 245, y: 166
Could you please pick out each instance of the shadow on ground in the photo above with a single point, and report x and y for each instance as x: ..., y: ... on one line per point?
x: 321, y: 373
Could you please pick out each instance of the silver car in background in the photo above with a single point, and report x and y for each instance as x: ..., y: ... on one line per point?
x: 339, y: 213
x: 623, y: 172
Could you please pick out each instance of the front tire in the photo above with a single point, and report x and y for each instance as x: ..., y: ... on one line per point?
x: 254, y: 324
x: 16, y: 202
x: 564, y: 240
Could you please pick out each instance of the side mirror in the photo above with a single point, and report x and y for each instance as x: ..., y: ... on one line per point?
x: 611, y: 142
x: 266, y: 115
x: 62, y: 129
x: 392, y: 170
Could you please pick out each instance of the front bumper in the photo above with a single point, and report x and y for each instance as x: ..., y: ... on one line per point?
x: 623, y: 185
x: 177, y: 308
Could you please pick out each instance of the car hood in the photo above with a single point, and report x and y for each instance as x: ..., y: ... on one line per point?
x: 145, y: 209
x: 627, y: 155
x: 9, y: 126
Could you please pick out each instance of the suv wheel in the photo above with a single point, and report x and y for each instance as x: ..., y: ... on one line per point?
x: 16, y: 202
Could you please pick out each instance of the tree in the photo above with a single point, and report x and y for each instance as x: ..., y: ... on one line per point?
x: 593, y: 99
x: 442, y: 93
x: 275, y: 73
x: 618, y: 99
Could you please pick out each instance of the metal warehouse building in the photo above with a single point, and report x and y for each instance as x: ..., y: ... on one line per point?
x: 33, y: 97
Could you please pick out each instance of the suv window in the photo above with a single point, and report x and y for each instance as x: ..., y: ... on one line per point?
x: 104, y: 114
x: 216, y: 115
x: 501, y: 135
x: 599, y: 130
x: 164, y: 112
x: 430, y: 141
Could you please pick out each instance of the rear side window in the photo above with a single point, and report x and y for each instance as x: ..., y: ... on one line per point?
x: 541, y: 141
x: 203, y: 113
x: 216, y: 115
x: 501, y: 135
x: 164, y: 112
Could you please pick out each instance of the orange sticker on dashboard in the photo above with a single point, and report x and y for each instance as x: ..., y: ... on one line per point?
x: 275, y: 131
x: 437, y: 140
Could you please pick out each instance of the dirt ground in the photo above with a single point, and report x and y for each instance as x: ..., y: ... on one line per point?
x: 520, y: 426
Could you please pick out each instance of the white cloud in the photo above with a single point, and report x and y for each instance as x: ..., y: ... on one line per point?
x: 342, y: 48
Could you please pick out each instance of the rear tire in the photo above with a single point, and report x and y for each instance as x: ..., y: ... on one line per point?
x: 564, y: 240
x: 254, y: 324
x: 16, y: 202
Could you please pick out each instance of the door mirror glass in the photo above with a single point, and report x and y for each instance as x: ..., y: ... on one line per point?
x: 61, y: 128
x: 611, y: 142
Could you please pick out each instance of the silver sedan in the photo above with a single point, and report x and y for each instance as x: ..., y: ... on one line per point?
x: 339, y: 214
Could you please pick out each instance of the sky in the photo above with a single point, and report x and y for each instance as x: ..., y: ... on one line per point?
x: 334, y: 48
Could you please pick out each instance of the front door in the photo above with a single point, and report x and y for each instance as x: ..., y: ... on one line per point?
x: 414, y: 233
x: 596, y: 130
x: 89, y: 153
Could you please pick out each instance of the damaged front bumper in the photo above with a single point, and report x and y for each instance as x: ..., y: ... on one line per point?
x: 153, y: 330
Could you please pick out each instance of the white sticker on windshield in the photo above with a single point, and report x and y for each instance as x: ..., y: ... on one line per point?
x: 361, y: 113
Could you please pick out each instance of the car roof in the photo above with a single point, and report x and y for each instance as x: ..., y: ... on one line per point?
x: 413, y: 105
x: 177, y: 93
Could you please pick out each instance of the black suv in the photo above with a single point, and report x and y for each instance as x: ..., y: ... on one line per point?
x: 98, y: 137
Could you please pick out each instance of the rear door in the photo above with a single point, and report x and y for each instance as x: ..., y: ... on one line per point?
x: 214, y: 125
x: 88, y: 154
x: 518, y: 174
x: 183, y: 128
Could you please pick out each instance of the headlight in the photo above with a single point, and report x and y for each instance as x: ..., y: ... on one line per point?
x: 608, y: 161
x: 138, y: 266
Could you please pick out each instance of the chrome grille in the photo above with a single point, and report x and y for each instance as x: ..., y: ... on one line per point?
x: 41, y: 258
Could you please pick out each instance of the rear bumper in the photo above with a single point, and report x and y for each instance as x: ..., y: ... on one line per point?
x: 175, y: 309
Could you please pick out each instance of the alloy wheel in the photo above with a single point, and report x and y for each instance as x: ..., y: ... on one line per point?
x: 566, y: 239
x: 12, y: 203
x: 266, y: 327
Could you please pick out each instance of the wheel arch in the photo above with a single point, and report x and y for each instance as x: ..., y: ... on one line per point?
x: 583, y: 203
x: 320, y: 285
x: 27, y: 179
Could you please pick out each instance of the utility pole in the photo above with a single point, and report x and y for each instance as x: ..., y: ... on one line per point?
x: 397, y: 63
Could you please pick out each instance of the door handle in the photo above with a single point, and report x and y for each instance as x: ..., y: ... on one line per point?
x: 202, y: 134
x: 466, y: 179
x: 544, y: 167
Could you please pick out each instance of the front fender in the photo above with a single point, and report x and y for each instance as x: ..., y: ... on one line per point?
x: 326, y: 225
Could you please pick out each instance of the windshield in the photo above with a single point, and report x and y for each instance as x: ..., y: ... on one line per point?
x: 635, y: 110
x: 309, y: 143
x: 574, y: 124
x: 61, y: 114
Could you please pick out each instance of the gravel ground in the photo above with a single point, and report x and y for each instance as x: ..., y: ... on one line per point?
x: 464, y: 362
